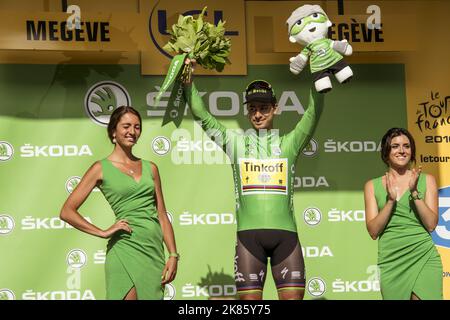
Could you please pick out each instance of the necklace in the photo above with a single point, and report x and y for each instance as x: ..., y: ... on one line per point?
x: 130, y: 171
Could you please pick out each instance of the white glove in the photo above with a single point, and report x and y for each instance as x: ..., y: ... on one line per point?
x: 297, y: 63
x: 343, y: 47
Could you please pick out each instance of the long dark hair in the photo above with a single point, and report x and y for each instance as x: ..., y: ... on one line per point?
x: 386, y: 143
x: 117, y: 115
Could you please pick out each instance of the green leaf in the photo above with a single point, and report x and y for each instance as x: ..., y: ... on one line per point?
x: 202, y: 40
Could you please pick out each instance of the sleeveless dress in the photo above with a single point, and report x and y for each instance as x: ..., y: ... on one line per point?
x: 407, y: 257
x: 136, y: 259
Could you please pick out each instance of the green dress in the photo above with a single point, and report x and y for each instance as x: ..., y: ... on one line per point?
x: 407, y: 257
x: 136, y: 259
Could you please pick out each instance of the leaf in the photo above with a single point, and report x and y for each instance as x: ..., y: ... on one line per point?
x: 202, y: 40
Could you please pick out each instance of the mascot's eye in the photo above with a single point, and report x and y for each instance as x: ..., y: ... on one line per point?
x: 316, y: 15
x: 299, y: 22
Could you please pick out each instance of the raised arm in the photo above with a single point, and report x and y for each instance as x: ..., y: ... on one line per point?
x: 208, y: 122
x: 69, y: 212
x: 427, y: 207
x: 305, y: 128
x: 376, y: 220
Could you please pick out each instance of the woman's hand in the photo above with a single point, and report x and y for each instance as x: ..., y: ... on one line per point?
x: 391, y: 189
x: 119, y: 225
x: 170, y: 270
x: 414, y: 179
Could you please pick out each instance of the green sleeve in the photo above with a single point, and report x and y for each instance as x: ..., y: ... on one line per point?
x: 304, y: 130
x: 306, y: 51
x: 208, y: 122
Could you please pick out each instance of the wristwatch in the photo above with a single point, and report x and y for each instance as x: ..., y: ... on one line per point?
x: 175, y: 254
x: 416, y: 195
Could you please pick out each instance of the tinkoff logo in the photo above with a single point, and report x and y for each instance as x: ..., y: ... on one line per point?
x: 103, y: 98
x: 6, y: 224
x: 169, y: 292
x: 312, y: 216
x: 6, y: 151
x: 311, y: 148
x: 6, y: 294
x: 161, y: 145
x: 316, y: 287
x: 76, y: 258
x: 441, y: 235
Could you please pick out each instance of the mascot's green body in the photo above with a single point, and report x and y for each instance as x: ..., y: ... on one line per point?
x: 308, y: 25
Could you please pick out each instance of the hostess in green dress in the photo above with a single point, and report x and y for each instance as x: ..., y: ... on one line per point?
x: 136, y: 259
x: 407, y: 257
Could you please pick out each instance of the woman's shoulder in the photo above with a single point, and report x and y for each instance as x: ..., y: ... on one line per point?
x: 153, y: 167
x: 373, y: 183
x: 149, y: 162
x: 428, y: 177
x: 375, y: 180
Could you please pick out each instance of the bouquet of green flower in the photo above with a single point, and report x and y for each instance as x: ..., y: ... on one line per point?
x: 194, y: 39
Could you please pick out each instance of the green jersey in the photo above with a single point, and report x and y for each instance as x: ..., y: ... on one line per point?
x: 263, y: 165
x: 322, y: 55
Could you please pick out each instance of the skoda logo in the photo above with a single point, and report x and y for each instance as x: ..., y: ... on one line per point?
x: 6, y: 224
x: 76, y: 258
x: 6, y: 294
x: 312, y: 216
x: 311, y: 149
x: 71, y: 183
x: 169, y: 216
x: 161, y: 145
x: 316, y: 287
x: 103, y: 98
x: 169, y: 292
x: 6, y: 151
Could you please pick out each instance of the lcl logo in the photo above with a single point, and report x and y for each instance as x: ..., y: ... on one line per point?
x: 161, y: 16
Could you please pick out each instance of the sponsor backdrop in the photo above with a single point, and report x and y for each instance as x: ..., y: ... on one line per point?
x: 53, y: 128
x: 58, y: 89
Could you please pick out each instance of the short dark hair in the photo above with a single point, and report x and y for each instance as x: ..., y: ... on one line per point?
x: 117, y: 115
x: 260, y: 90
x: 386, y: 143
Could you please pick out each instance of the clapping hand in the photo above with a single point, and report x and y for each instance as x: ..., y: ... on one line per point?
x: 414, y: 179
x: 391, y: 189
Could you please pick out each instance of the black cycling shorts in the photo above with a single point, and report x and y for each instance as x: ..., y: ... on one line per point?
x: 253, y: 249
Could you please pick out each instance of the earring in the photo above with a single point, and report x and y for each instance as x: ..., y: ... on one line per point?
x: 114, y: 140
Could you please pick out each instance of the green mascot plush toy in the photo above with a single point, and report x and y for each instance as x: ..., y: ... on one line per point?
x: 308, y: 25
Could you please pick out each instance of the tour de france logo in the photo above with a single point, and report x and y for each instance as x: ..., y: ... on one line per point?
x: 311, y: 148
x: 169, y: 292
x: 316, y: 287
x: 312, y: 216
x: 6, y: 294
x: 161, y: 145
x: 6, y: 224
x: 76, y: 258
x: 6, y: 151
x: 103, y: 98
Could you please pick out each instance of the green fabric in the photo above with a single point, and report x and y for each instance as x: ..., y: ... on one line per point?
x: 322, y: 55
x: 407, y: 257
x: 263, y: 166
x: 135, y: 259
